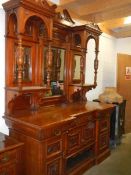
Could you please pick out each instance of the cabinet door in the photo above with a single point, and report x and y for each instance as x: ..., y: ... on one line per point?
x: 103, y: 141
x: 8, y: 170
x: 88, y: 133
x: 73, y: 140
x: 54, y: 167
x: 104, y: 124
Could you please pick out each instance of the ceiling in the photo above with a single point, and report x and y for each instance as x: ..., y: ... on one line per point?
x: 109, y: 14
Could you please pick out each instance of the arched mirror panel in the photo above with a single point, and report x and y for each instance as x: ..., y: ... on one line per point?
x: 90, y: 59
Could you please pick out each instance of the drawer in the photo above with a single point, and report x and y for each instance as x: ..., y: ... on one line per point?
x: 104, y: 124
x: 53, y: 147
x: 8, y: 156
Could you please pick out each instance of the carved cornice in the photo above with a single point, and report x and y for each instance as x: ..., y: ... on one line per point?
x: 39, y: 5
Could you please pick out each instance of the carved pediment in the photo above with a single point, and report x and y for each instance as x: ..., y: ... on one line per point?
x: 93, y: 26
x: 64, y: 16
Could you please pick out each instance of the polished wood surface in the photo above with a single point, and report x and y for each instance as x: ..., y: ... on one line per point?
x: 57, y: 136
x: 58, y: 113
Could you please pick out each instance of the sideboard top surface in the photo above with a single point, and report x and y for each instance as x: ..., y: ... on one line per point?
x: 50, y: 115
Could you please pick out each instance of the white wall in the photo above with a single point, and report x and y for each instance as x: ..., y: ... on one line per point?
x: 107, y: 66
x: 3, y: 127
x: 124, y: 45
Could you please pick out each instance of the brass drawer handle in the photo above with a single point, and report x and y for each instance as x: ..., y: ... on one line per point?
x: 57, y: 132
x: 5, y: 159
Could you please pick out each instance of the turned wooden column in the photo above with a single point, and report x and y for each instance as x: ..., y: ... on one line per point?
x: 58, y: 64
x: 19, y: 62
x: 49, y: 63
x: 96, y: 66
x: 82, y: 69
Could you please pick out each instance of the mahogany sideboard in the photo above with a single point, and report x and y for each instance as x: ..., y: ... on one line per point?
x: 64, y: 139
x: 46, y: 64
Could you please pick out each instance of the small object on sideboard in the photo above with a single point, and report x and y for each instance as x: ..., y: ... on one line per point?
x: 110, y: 95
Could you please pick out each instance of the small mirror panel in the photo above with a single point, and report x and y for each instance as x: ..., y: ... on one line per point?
x: 76, y: 67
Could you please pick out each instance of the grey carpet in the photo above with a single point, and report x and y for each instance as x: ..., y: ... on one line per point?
x: 118, y: 163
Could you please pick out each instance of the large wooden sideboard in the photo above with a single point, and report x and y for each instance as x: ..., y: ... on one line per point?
x: 64, y: 139
x: 46, y: 108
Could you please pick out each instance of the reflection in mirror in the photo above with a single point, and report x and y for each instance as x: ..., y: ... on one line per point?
x: 76, y: 67
x: 90, y: 57
x: 57, y: 70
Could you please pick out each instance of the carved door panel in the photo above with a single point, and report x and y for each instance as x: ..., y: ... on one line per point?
x: 8, y: 170
x: 88, y: 132
x: 104, y: 124
x: 54, y: 167
x: 103, y: 141
x: 73, y: 140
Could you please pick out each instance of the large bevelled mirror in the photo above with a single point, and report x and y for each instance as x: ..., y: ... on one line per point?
x: 90, y: 61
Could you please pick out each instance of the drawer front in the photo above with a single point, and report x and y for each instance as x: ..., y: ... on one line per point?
x: 7, y: 157
x: 104, y: 124
x: 54, y: 167
x: 53, y: 148
x: 88, y: 132
x: 103, y: 141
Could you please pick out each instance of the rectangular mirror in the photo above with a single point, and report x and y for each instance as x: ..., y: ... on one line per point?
x: 76, y: 68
